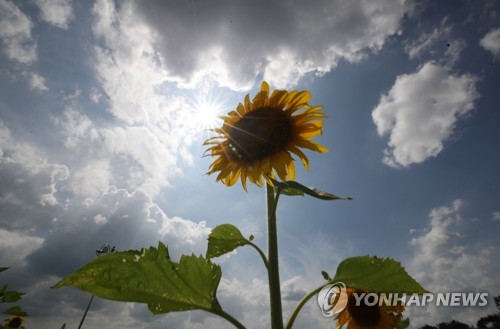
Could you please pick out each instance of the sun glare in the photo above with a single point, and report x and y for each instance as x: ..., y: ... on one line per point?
x: 206, y: 115
x: 206, y: 110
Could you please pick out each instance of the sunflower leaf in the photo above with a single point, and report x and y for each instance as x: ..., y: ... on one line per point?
x: 403, y: 324
x: 3, y: 269
x: 223, y: 239
x: 377, y: 275
x: 149, y: 276
x: 9, y: 296
x: 293, y: 188
x: 15, y: 310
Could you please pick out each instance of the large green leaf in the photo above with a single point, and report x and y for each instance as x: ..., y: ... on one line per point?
x: 377, y: 275
x: 150, y: 276
x: 223, y: 239
x: 293, y: 188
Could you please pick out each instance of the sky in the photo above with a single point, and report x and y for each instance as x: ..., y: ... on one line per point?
x: 104, y: 107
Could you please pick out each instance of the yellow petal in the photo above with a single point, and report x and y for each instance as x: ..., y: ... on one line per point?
x: 232, y: 178
x: 244, y: 179
x: 254, y: 174
x: 223, y: 174
x: 301, y: 155
x: 260, y: 100
x: 240, y: 109
x: 313, y: 109
x: 291, y: 170
x: 264, y: 87
x: 248, y: 105
x: 299, y: 100
x: 280, y: 163
x: 278, y: 98
x: 281, y: 171
x: 312, y: 146
x: 310, y: 131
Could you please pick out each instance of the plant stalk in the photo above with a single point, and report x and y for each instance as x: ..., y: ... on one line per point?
x: 86, y: 311
x: 273, y: 270
x: 261, y: 253
x: 228, y: 317
x: 301, y: 304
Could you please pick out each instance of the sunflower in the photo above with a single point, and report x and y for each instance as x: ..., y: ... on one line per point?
x: 15, y: 321
x: 256, y: 140
x: 363, y: 316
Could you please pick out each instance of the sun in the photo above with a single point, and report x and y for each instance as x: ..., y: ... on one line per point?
x: 206, y: 114
x: 205, y: 111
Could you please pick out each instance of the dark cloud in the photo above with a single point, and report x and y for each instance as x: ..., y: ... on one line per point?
x: 280, y: 40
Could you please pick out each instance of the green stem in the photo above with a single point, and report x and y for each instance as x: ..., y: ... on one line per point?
x: 261, y: 253
x: 86, y: 311
x: 301, y: 304
x: 273, y: 269
x: 228, y: 317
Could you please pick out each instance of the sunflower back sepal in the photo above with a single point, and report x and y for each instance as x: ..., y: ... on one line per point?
x: 293, y: 188
x: 326, y: 276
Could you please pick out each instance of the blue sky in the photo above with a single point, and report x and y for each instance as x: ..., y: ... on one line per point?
x: 104, y: 108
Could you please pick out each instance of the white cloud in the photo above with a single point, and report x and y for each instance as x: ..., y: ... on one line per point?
x: 437, y: 240
x: 100, y: 219
x: 15, y: 33
x: 247, y: 301
x: 131, y: 157
x: 37, y: 82
x: 293, y: 289
x: 56, y: 12
x: 29, y: 176
x: 95, y: 95
x: 128, y: 66
x: 131, y: 73
x: 453, y: 51
x: 495, y: 216
x: 122, y: 219
x: 420, y: 112
x: 427, y: 41
x: 14, y: 247
x: 442, y: 264
x: 491, y: 42
x: 188, y: 232
x: 155, y: 127
x: 234, y: 43
x: 92, y: 179
x: 440, y: 45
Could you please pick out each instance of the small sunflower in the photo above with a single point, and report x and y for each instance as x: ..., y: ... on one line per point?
x: 364, y: 316
x: 257, y: 139
x: 15, y: 321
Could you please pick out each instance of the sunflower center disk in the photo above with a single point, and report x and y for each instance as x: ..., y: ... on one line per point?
x: 260, y: 134
x: 364, y: 315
